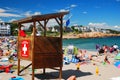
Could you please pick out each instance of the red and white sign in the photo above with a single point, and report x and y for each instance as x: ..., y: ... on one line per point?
x: 24, y: 48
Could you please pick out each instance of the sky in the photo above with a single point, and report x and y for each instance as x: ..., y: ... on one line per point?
x: 94, y: 13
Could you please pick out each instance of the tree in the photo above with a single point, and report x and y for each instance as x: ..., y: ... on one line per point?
x: 14, y: 28
x: 39, y: 28
x: 56, y: 27
x: 30, y: 29
x: 81, y: 26
x: 73, y: 27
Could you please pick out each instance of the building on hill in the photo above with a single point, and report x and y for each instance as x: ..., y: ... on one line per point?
x: 5, y: 29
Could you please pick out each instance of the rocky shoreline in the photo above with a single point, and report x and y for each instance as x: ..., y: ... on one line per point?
x: 89, y: 35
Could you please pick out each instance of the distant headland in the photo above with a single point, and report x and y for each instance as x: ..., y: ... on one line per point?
x: 88, y: 35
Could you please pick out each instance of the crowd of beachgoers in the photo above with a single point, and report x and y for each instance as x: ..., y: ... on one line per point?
x: 8, y: 46
x: 80, y: 55
x: 73, y: 57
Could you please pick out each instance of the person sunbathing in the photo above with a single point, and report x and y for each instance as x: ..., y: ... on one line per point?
x: 83, y: 56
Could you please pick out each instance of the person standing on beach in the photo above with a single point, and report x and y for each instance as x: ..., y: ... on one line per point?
x: 111, y: 49
x: 105, y: 48
x: 115, y: 46
x: 97, y: 47
x: 70, y: 49
x: 22, y: 32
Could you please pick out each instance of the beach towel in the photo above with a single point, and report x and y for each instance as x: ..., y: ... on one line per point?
x: 16, y: 78
x: 115, y: 78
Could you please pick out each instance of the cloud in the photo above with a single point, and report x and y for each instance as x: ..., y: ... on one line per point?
x: 118, y: 0
x: 85, y: 12
x: 75, y: 24
x: 11, y: 20
x: 37, y: 13
x: 2, y: 10
x: 52, y: 22
x: 98, y: 25
x: 73, y: 5
x: 63, y: 10
x: 116, y: 26
x: 103, y: 26
x: 29, y: 13
x: 1, y: 20
x: 67, y: 8
x: 9, y: 15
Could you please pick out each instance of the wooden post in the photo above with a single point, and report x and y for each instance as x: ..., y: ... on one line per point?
x: 61, y: 26
x: 43, y: 70
x: 60, y: 22
x: 19, y: 26
x: 33, y: 37
x: 61, y: 32
x: 18, y: 66
x: 45, y: 23
x: 60, y: 73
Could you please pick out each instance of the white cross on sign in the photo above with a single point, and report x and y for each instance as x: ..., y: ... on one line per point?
x: 24, y: 49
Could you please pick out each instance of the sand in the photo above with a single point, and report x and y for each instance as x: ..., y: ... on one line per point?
x: 87, y: 71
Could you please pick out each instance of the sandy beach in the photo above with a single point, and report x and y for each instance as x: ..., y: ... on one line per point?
x: 87, y: 71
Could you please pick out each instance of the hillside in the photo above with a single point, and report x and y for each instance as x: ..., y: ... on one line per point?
x: 88, y: 35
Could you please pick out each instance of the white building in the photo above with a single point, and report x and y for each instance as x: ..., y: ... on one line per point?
x: 5, y: 29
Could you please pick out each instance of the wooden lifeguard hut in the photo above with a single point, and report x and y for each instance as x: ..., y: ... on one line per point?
x: 42, y: 51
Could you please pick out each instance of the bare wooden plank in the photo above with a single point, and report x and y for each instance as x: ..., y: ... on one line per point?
x: 48, y: 60
x: 47, y: 45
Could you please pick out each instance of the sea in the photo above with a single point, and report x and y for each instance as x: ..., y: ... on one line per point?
x: 90, y: 43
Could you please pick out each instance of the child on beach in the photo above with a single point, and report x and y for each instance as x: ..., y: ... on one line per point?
x: 106, y: 60
x: 22, y: 32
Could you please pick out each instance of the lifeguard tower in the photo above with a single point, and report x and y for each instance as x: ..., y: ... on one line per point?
x: 42, y: 51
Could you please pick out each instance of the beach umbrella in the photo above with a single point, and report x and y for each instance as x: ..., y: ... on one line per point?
x: 75, y: 51
x: 117, y: 64
x: 65, y: 51
x: 117, y: 57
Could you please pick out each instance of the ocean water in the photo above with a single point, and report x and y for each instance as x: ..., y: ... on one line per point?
x: 90, y: 43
